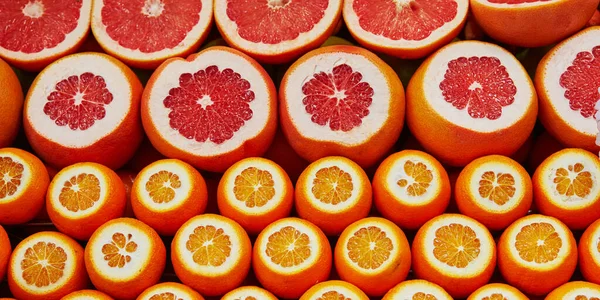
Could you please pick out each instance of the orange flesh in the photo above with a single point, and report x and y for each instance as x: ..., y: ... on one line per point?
x: 255, y: 187
x: 369, y: 247
x: 495, y: 297
x: 421, y: 178
x: 579, y: 186
x: 11, y: 173
x: 498, y: 188
x: 116, y: 253
x: 162, y: 186
x: 210, y: 245
x: 582, y: 297
x: 43, y: 264
x: 423, y: 296
x: 456, y: 245
x: 165, y: 296
x: 333, y: 295
x: 288, y: 247
x: 538, y: 242
x: 80, y: 192
x: 332, y: 185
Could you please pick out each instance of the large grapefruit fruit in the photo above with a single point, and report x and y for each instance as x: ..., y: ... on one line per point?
x: 11, y: 101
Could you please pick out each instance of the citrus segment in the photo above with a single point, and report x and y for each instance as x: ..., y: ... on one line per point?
x: 86, y: 295
x: 169, y: 291
x: 334, y: 290
x: 5, y: 251
x: 12, y: 104
x: 254, y: 187
x: 249, y: 293
x: 417, y: 289
x: 497, y: 291
x: 589, y: 253
x: 456, y: 245
x: 578, y: 290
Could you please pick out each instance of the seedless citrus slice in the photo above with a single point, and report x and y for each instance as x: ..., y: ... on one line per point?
x: 497, y: 291
x: 473, y: 96
x: 210, y: 110
x: 417, y: 289
x: 5, y: 251
x: 46, y: 265
x: 84, y: 108
x: 169, y: 291
x: 87, y: 295
x: 589, y: 253
x: 249, y: 293
x: 577, y: 290
x: 334, y: 290
x: 124, y: 257
x: 11, y: 101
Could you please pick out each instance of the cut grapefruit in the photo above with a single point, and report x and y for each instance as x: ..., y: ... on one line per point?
x: 11, y: 101
x: 417, y: 289
x: 497, y: 291
x: 211, y: 110
x: 578, y: 290
x: 409, y: 28
x: 589, y: 253
x: 334, y: 290
x: 5, y: 251
x: 84, y: 108
x: 473, y: 96
x: 342, y: 100
x: 38, y: 32
x: 249, y: 293
x: 87, y: 295
x: 169, y: 291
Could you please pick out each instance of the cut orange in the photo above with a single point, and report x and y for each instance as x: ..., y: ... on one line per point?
x: 373, y: 254
x: 84, y: 196
x: 577, y: 290
x: 169, y: 291
x: 497, y: 291
x: 255, y: 192
x: 249, y: 293
x: 124, y: 257
x: 544, y: 146
x: 417, y: 289
x: 290, y: 256
x: 332, y: 193
x: 473, y: 96
x: 494, y: 190
x: 566, y: 186
x: 168, y: 193
x: 84, y: 108
x: 334, y: 290
x: 211, y: 254
x: 46, y: 265
x: 456, y: 252
x: 589, y: 253
x: 5, y: 251
x: 11, y: 101
x: 210, y: 110
x: 87, y: 295
x: 342, y: 100
x: 539, y: 248
x: 23, y: 184
x: 410, y: 188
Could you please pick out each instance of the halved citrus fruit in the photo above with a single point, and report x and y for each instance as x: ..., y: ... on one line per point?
x: 46, y: 265
x: 168, y: 193
x: 589, y: 253
x: 456, y: 252
x: 210, y: 110
x: 539, y: 248
x: 170, y: 291
x: 255, y: 192
x: 5, y: 251
x: 11, y: 101
x: 84, y: 196
x: 410, y: 188
x: 497, y: 291
x: 566, y: 186
x: 334, y: 290
x: 373, y: 254
x: 342, y: 100
x: 277, y: 31
x: 473, y: 96
x: 290, y: 256
x: 577, y: 290
x: 249, y: 293
x: 87, y: 295
x: 124, y: 257
x: 332, y: 193
x: 567, y: 82
x: 84, y: 108
x: 23, y: 184
x: 407, y: 29
x: 417, y: 289
x: 37, y: 32
x: 211, y: 254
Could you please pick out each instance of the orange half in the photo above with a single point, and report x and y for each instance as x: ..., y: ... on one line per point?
x: 589, y: 253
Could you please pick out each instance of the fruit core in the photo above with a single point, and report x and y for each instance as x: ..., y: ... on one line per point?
x: 456, y: 245
x: 11, y: 173
x: 573, y: 180
x: 80, y: 192
x: 369, y: 247
x: 288, y: 247
x: 498, y: 188
x: 153, y: 8
x: 332, y: 185
x: 581, y: 82
x: 538, y: 242
x: 254, y: 187
x: 43, y: 264
x: 417, y: 179
x: 118, y: 252
x: 162, y: 186
x: 165, y: 296
x: 333, y: 295
x: 423, y: 296
x: 34, y: 9
x: 210, y: 245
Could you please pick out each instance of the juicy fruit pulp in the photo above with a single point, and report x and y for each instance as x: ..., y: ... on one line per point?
x: 80, y: 193
x: 538, y: 242
x: 11, y: 173
x: 118, y: 252
x: 332, y: 185
x: 573, y: 181
x: 369, y: 247
x: 255, y: 187
x: 43, y: 264
x: 582, y: 82
x: 288, y: 247
x: 456, y: 245
x: 420, y: 178
x: 162, y: 186
x: 499, y: 188
x: 210, y: 246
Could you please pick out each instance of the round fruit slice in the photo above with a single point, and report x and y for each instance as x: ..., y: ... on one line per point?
x: 277, y: 31
x: 494, y: 190
x: 589, y: 253
x: 84, y: 196
x: 249, y: 293
x: 334, y: 290
x: 342, y: 100
x: 38, y: 32
x: 5, y: 251
x: 539, y: 248
x: 332, y: 193
x: 578, y: 290
x: 144, y: 33
x: 373, y: 250
x: 169, y: 291
x: 497, y: 291
x: 568, y: 82
x: 46, y: 265
x: 87, y: 295
x: 473, y: 96
x: 407, y: 29
x: 417, y: 289
x: 11, y: 101
x: 124, y: 257
x: 410, y: 188
x: 84, y: 108
x: 456, y: 252
x: 211, y: 110
x: 23, y: 184
x: 290, y: 256
x: 168, y: 193
x: 211, y: 254
x: 255, y: 192
x: 566, y: 186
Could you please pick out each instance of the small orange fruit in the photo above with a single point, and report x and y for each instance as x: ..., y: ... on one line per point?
x: 87, y: 295
x: 5, y: 251
x: 249, y: 293
x: 170, y: 291
x: 577, y: 290
x: 456, y: 252
x: 417, y: 289
x: 290, y: 256
x: 334, y: 290
x: 497, y: 291
x: 11, y: 101
x: 589, y: 253
x: 211, y: 254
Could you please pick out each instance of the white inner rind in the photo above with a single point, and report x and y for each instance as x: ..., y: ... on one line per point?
x: 496, y: 167
x: 116, y: 83
x: 181, y: 194
x: 594, y: 246
x: 26, y: 177
x: 169, y: 78
x: 325, y: 62
x: 63, y: 177
x: 582, y: 291
x: 400, y: 194
x: 179, y: 293
x: 489, y: 291
x: 338, y: 288
x: 517, y: 6
x: 248, y: 291
x: 438, y: 67
x: 407, y: 291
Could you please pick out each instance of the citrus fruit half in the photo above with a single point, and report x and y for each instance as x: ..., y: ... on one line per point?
x: 334, y: 290
x: 170, y: 291
x: 497, y: 291
x: 249, y: 293
x: 87, y: 295
x: 5, y: 251
x: 11, y: 101
x: 578, y: 290
x: 589, y: 253
x: 417, y: 289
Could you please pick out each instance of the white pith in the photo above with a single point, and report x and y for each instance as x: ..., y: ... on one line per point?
x: 248, y: 291
x: 582, y: 291
x: 340, y: 289
x: 26, y: 177
x: 496, y: 167
x: 412, y: 287
x: 111, y: 45
x: 181, y: 194
x: 99, y: 65
x: 33, y: 9
x: 519, y: 5
x: 71, y: 39
x: 490, y: 290
x: 436, y: 71
x: 173, y: 289
x: 325, y: 62
x: 593, y: 246
x: 169, y: 78
x: 230, y: 29
x: 63, y: 177
x: 400, y: 194
x: 352, y: 21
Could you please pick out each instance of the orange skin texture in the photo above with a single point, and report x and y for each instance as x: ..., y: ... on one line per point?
x: 312, y: 292
x: 148, y: 293
x: 544, y: 146
x: 82, y: 229
x: 149, y: 276
x: 588, y: 267
x: 127, y: 177
x: 515, y: 291
x: 405, y: 215
x: 534, y: 26
x: 255, y: 146
x: 31, y: 202
x: 5, y: 251
x: 442, y: 138
x: 11, y: 101
x: 113, y: 150
x: 87, y: 294
x: 369, y: 152
x: 563, y: 290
